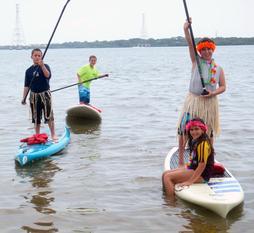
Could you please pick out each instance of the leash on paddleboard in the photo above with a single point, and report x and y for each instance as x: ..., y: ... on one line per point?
x: 89, y: 80
x: 46, y: 49
x: 204, y: 92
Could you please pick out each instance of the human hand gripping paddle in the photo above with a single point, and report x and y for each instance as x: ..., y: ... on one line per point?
x: 204, y: 92
x: 89, y: 80
x: 46, y: 49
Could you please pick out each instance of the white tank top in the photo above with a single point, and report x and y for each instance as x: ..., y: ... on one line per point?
x: 211, y: 82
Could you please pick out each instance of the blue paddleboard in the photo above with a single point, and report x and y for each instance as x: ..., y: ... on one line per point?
x: 29, y: 153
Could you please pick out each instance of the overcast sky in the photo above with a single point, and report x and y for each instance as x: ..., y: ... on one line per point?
x: 89, y: 20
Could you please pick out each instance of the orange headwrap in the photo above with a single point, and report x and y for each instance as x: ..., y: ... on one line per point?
x: 206, y: 44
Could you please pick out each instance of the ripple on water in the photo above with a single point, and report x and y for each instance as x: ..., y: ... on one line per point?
x: 109, y: 177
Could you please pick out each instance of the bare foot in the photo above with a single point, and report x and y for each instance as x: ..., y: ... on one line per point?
x: 83, y: 103
x: 55, y: 139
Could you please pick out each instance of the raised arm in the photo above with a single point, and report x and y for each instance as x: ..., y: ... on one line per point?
x: 189, y: 41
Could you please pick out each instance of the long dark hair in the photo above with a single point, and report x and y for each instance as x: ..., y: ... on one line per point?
x: 204, y: 137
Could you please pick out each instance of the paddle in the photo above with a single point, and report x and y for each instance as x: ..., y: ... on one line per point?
x: 46, y: 49
x: 204, y: 92
x: 102, y: 76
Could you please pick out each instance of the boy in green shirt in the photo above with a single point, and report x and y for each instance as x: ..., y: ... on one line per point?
x: 85, y: 73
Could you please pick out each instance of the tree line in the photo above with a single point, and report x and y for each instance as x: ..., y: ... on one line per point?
x: 137, y: 42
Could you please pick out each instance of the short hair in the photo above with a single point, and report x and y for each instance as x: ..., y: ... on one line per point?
x: 92, y: 56
x: 36, y: 50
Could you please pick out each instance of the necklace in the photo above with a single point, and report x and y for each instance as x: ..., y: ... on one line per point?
x: 211, y: 72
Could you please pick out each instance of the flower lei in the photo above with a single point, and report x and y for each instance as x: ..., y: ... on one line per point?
x: 188, y: 164
x: 211, y: 73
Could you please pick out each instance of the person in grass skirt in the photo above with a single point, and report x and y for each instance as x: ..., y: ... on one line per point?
x: 195, y: 104
x: 37, y: 78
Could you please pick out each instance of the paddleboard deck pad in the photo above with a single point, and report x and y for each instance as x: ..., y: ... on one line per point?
x: 29, y: 153
x: 221, y: 194
x: 84, y: 111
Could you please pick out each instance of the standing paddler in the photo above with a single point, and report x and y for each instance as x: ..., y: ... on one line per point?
x: 84, y: 74
x: 37, y: 78
x: 206, y: 83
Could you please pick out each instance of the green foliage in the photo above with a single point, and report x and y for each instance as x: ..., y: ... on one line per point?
x: 137, y: 42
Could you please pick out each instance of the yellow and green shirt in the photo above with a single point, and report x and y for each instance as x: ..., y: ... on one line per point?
x: 87, y: 72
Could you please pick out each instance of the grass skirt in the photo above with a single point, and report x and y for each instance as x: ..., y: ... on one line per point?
x: 205, y: 108
x: 41, y: 106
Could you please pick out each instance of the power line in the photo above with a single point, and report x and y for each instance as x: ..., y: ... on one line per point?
x: 143, y: 32
x: 18, y: 34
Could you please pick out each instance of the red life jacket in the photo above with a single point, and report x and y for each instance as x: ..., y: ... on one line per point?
x: 36, y: 139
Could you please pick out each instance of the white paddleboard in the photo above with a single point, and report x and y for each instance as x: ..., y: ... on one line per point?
x: 220, y: 195
x: 84, y: 111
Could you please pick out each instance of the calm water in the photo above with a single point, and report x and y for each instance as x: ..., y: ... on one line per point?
x: 109, y: 178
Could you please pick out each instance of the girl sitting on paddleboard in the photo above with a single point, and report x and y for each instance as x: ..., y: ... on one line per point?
x: 200, y: 166
x: 197, y: 105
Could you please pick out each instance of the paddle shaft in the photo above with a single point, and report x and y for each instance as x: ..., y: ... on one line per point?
x: 46, y: 49
x: 89, y: 80
x: 204, y: 92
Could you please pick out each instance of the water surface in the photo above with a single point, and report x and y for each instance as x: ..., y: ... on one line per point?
x: 109, y: 178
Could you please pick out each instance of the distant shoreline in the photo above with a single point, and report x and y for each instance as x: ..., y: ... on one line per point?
x: 135, y: 42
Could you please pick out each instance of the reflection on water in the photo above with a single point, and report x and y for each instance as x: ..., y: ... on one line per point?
x: 45, y: 228
x: 141, y: 103
x: 40, y: 176
x: 81, y: 125
x: 207, y: 224
x: 202, y: 224
x: 201, y: 220
x: 170, y: 202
